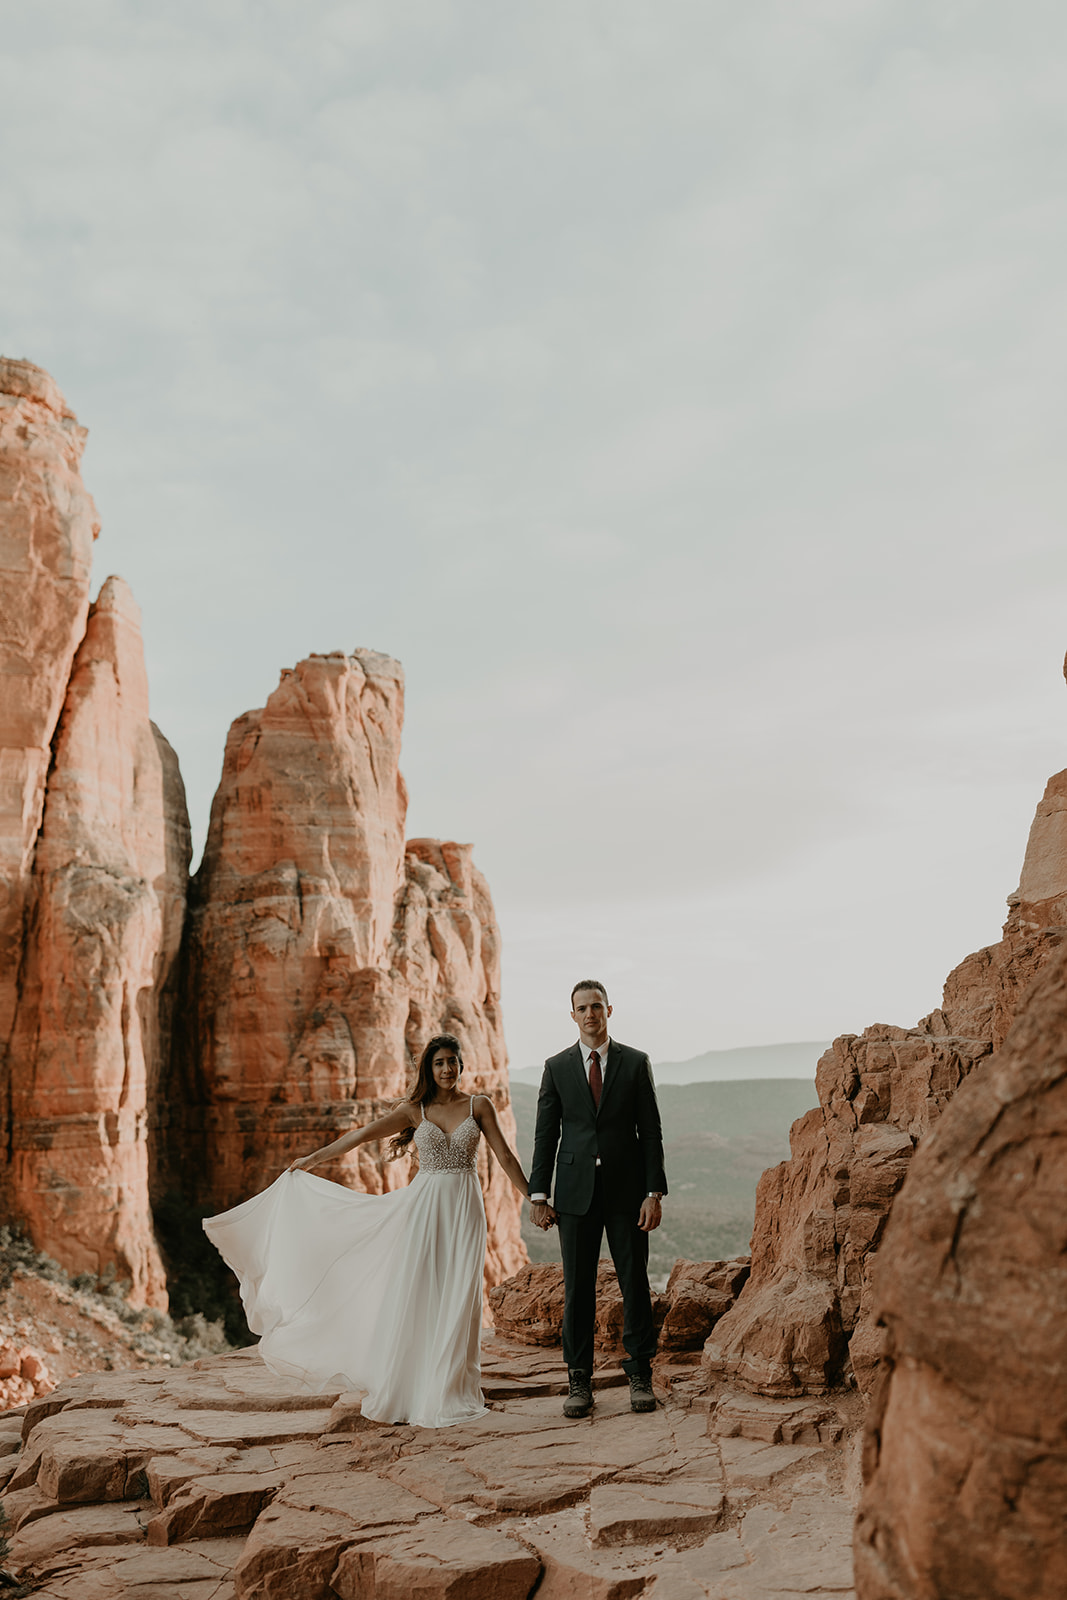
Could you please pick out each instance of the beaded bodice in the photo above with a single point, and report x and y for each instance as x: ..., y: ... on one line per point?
x: 439, y: 1153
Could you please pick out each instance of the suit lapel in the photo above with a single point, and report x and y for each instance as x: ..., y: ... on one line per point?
x: 611, y: 1072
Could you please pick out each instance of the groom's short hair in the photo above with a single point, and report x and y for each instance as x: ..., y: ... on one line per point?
x: 589, y: 983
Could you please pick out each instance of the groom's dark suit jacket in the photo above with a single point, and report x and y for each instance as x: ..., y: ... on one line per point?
x: 571, y: 1133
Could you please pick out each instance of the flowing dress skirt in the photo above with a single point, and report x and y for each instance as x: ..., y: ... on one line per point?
x: 374, y: 1292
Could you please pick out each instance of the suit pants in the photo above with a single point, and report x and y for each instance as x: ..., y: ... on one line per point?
x: 579, y: 1242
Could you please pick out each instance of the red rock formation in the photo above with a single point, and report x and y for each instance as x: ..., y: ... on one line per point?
x: 24, y: 1374
x: 102, y: 931
x: 966, y: 1448
x: 528, y: 1306
x: 47, y: 527
x: 820, y: 1216
x: 322, y: 953
x: 698, y: 1293
x: 215, y: 1479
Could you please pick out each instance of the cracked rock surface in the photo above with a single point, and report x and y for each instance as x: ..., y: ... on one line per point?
x: 966, y: 1446
x: 219, y: 1482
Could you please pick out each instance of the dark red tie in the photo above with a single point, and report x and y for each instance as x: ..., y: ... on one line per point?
x: 596, y: 1077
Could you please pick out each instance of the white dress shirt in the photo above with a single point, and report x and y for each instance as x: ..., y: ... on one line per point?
x: 602, y: 1053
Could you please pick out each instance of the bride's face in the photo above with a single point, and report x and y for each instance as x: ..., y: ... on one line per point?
x: 446, y: 1068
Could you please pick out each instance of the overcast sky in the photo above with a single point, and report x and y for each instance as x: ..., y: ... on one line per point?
x: 676, y: 388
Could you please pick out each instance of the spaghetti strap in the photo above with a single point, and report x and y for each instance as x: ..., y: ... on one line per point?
x: 470, y: 1113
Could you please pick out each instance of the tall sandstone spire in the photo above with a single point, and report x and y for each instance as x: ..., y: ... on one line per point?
x: 47, y: 527
x: 103, y: 926
x: 322, y: 953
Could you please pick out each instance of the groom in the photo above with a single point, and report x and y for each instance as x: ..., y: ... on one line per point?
x: 598, y: 1125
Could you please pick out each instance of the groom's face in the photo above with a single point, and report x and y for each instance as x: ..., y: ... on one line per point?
x: 591, y: 1012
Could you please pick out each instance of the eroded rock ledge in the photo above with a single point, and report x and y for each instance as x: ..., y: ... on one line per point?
x: 216, y: 1482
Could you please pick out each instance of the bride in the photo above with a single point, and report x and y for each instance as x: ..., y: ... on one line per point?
x: 379, y: 1292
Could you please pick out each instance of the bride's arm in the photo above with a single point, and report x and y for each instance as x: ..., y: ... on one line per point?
x: 485, y: 1116
x: 403, y: 1117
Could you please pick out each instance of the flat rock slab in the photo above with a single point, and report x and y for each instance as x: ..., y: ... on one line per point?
x: 645, y: 1513
x: 200, y: 1572
x: 74, y: 1457
x: 438, y: 1477
x: 437, y: 1560
x: 750, y: 1465
x: 39, y: 1543
x: 805, y: 1550
x: 240, y: 1491
x: 241, y: 1428
x: 573, y: 1570
x: 209, y: 1507
x: 368, y: 1500
x: 166, y: 1475
x: 246, y: 1386
x: 775, y: 1421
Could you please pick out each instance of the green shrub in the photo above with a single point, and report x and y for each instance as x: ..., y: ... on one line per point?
x: 187, y: 1335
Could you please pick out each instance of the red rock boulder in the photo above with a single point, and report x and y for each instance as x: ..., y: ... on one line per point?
x: 966, y: 1446
x: 698, y: 1293
x: 528, y: 1307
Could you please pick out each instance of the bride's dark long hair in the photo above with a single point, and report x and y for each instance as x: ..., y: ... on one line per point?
x: 425, y: 1090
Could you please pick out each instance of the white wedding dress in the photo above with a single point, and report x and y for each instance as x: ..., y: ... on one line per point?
x: 374, y: 1292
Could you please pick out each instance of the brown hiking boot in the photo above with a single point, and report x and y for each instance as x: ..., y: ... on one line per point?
x: 641, y: 1396
x: 579, y: 1401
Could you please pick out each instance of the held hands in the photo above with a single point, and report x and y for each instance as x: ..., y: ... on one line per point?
x: 542, y: 1215
x: 650, y: 1216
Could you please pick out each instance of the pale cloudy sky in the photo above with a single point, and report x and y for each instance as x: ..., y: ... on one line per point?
x: 676, y: 387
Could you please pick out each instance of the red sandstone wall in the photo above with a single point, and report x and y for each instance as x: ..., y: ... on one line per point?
x: 47, y: 527
x: 321, y: 950
x: 104, y: 918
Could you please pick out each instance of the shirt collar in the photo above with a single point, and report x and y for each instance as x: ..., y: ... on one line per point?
x: 602, y: 1051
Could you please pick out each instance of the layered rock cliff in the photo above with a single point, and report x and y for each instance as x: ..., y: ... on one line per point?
x: 103, y: 924
x: 322, y: 952
x: 805, y: 1319
x: 47, y: 527
x: 966, y: 1447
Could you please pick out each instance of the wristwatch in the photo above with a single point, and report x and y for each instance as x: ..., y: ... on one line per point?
x: 654, y: 1194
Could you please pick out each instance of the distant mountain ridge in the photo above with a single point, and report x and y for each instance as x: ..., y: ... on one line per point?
x: 796, y: 1060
